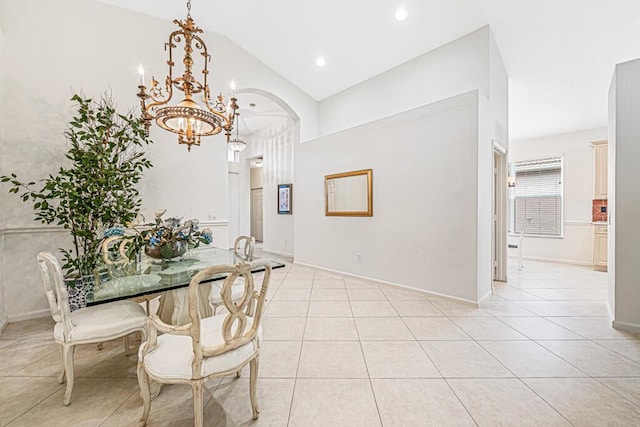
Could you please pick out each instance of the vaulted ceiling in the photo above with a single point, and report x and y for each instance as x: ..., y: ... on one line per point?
x: 559, y: 54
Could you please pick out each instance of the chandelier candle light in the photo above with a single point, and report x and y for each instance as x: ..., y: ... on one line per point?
x: 187, y: 118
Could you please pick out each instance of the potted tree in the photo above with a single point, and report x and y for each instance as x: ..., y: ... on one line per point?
x: 99, y: 186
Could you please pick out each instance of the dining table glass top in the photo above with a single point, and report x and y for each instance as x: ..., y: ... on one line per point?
x: 151, y: 276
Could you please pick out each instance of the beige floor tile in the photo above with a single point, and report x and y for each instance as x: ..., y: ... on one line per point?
x: 328, y: 283
x: 283, y: 328
x: 530, y: 359
x: 464, y: 359
x: 487, y: 328
x: 592, y: 359
x: 570, y: 294
x: 278, y: 359
x: 24, y: 353
x: 329, y: 309
x: 19, y: 394
x: 172, y: 407
x: 627, y: 348
x: 454, y: 309
x: 92, y: 401
x: 397, y: 359
x: 419, y: 402
x: 296, y: 284
x: 504, y: 308
x: 287, y: 309
x: 359, y: 284
x: 292, y: 295
x: 546, y: 308
x: 586, y: 402
x: 382, y: 329
x: 333, y: 402
x: 398, y: 294
x: 435, y: 328
x: 513, y: 294
x: 324, y: 359
x: 329, y: 295
x: 627, y: 387
x: 595, y: 328
x: 320, y: 275
x: 36, y: 329
x: 330, y: 329
x: 373, y: 309
x: 538, y: 328
x: 230, y: 405
x: 586, y: 308
x: 504, y: 402
x: 365, y: 294
x: 416, y: 308
x: 296, y: 274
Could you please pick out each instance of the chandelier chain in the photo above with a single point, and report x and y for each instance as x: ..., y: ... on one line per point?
x: 188, y: 9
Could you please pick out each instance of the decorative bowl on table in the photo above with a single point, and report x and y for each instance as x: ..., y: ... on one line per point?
x: 167, y: 250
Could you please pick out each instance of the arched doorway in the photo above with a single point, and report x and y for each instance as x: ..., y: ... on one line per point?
x: 271, y: 129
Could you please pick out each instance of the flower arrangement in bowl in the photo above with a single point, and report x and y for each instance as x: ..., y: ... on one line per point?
x: 163, y: 239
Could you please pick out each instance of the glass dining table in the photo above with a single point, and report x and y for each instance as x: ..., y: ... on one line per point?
x: 150, y: 277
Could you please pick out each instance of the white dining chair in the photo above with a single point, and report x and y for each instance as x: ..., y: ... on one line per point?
x: 518, y: 245
x: 207, y: 348
x: 243, y: 249
x: 87, y: 325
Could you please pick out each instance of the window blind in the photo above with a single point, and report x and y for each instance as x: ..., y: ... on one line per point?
x: 538, y: 194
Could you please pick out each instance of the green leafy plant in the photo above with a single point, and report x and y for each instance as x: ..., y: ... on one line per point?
x: 99, y: 187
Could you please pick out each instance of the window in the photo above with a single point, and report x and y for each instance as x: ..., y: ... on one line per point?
x: 537, y: 194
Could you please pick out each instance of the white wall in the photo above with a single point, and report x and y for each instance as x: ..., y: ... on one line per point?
x: 457, y: 67
x: 424, y: 226
x: 89, y: 46
x: 3, y: 300
x: 624, y: 195
x: 576, y: 245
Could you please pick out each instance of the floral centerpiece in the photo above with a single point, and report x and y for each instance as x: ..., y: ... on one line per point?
x: 162, y: 239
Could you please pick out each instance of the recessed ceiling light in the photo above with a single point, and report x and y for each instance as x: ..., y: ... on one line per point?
x: 401, y: 14
x: 320, y: 62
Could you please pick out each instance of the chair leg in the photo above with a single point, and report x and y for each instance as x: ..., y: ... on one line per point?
x: 61, y: 375
x: 253, y: 377
x: 198, y: 404
x: 145, y: 393
x: 127, y: 346
x: 520, y: 258
x: 67, y: 357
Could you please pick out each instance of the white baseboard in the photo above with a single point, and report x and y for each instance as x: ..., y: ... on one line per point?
x: 634, y: 328
x: 392, y: 284
x: 487, y: 295
x: 269, y: 251
x: 558, y: 261
x: 28, y: 316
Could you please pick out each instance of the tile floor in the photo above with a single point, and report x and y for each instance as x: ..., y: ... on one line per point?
x: 343, y: 352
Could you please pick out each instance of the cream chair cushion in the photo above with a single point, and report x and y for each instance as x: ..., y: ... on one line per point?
x: 173, y: 355
x: 103, y: 321
x: 237, y: 291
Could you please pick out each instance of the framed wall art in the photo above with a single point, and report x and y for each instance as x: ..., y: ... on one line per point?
x: 285, y: 198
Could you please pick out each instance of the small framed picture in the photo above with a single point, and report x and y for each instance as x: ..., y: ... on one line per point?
x: 284, y: 198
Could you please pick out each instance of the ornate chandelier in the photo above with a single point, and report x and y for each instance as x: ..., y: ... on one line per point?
x: 187, y: 118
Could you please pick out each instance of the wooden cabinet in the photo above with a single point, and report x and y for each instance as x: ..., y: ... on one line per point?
x: 600, y: 152
x: 600, y: 247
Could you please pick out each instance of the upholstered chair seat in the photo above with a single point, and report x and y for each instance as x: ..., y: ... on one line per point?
x: 87, y: 325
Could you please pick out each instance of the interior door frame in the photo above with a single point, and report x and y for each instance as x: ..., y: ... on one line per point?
x: 500, y: 208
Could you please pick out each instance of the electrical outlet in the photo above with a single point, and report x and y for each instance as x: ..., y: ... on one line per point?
x: 286, y: 241
x: 359, y: 257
